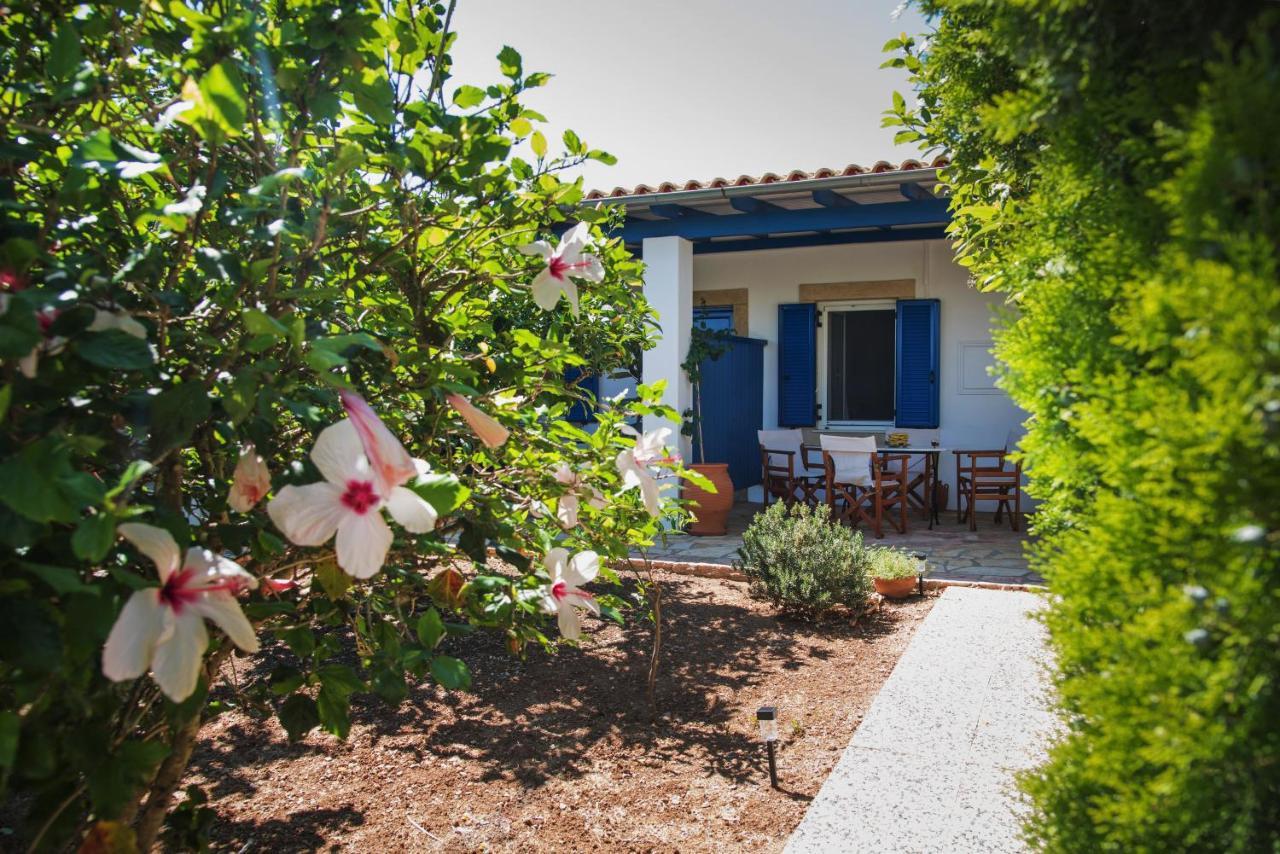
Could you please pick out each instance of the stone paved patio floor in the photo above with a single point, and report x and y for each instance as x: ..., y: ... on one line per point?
x: 931, y: 768
x: 992, y: 553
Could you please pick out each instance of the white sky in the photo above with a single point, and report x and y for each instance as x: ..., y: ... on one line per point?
x: 680, y: 89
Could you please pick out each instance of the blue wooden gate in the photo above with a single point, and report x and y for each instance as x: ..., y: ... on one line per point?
x: 733, y: 409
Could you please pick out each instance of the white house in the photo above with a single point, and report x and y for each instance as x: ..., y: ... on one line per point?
x: 868, y: 323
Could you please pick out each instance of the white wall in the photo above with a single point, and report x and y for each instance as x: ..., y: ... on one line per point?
x: 973, y: 413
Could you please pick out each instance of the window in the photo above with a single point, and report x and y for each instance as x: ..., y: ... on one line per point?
x: 716, y: 318
x: 857, y: 344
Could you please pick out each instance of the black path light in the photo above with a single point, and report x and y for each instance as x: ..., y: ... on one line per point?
x: 767, y: 717
x: 922, y: 569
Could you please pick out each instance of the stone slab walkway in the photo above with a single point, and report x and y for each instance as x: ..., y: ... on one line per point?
x: 992, y: 553
x: 931, y: 767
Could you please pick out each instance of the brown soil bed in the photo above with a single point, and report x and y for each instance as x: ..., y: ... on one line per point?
x: 558, y: 753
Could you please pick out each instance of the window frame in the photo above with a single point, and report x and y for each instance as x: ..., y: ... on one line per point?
x: 825, y: 423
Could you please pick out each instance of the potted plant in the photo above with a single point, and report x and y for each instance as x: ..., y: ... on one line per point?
x: 710, y: 510
x: 893, y: 572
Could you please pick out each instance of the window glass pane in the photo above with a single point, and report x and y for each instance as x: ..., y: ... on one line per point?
x: 860, y: 365
x: 714, y: 317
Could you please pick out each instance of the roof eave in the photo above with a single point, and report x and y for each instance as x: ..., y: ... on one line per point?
x: 835, y: 182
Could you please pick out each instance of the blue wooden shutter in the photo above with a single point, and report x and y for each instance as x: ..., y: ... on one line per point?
x: 797, y: 364
x: 917, y: 363
x: 582, y: 412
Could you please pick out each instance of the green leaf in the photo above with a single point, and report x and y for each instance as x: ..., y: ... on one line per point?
x: 340, y: 679
x: 430, y: 629
x: 115, y: 779
x: 114, y: 349
x: 6, y: 396
x: 93, y: 537
x: 335, y: 714
x: 218, y: 106
x: 299, y: 715
x: 63, y: 580
x: 40, y: 483
x: 101, y: 153
x: 699, y: 480
x: 258, y: 322
x: 468, y: 96
x: 285, y: 680
x: 175, y: 414
x: 444, y: 492
x: 300, y: 639
x: 510, y: 62
x: 10, y: 724
x: 333, y: 580
x: 350, y: 156
x: 572, y: 143
x: 64, y: 53
x: 451, y: 673
x: 521, y: 126
x: 538, y: 143
x: 899, y: 104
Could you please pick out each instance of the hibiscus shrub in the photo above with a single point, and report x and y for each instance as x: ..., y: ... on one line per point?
x: 268, y: 272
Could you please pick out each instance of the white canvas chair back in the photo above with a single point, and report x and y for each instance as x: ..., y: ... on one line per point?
x: 783, y: 440
x: 851, y: 456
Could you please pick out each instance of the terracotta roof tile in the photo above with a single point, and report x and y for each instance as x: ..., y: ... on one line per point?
x: 880, y: 166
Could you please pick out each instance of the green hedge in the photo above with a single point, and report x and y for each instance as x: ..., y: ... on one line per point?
x: 1116, y: 171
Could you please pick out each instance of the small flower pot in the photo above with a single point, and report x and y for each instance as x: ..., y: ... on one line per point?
x: 710, y: 510
x: 895, y: 588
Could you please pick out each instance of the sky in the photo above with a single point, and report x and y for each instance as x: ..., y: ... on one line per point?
x: 680, y: 89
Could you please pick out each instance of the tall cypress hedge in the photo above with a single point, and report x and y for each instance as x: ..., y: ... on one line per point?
x: 1116, y: 173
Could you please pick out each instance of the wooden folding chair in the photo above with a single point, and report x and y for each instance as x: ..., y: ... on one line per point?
x: 988, y: 475
x: 788, y: 473
x: 862, y: 484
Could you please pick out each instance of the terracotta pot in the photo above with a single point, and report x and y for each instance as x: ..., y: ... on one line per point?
x: 710, y: 510
x: 895, y: 588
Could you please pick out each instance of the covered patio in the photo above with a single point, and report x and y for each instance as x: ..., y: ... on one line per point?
x: 991, y: 554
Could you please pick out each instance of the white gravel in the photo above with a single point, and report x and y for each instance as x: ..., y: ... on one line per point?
x: 932, y: 766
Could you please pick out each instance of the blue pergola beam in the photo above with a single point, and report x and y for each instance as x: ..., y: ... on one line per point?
x: 832, y: 199
x: 708, y: 247
x: 750, y: 204
x: 915, y: 192
x: 669, y: 210
x: 930, y: 212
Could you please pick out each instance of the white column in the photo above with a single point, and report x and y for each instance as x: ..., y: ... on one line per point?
x: 668, y: 286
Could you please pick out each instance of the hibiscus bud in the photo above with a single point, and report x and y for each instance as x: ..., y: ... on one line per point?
x: 251, y: 481
x: 279, y: 585
x: 482, y: 424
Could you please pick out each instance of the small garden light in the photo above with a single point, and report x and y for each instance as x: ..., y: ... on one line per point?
x: 767, y: 717
x: 922, y: 569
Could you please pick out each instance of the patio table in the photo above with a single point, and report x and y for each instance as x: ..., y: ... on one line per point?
x: 932, y: 460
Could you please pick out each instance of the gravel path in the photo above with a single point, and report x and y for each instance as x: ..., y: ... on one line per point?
x: 931, y: 767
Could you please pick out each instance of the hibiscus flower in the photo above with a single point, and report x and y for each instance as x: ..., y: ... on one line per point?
x: 566, y: 262
x: 634, y: 466
x: 567, y: 505
x: 562, y: 595
x: 347, y: 504
x: 161, y: 629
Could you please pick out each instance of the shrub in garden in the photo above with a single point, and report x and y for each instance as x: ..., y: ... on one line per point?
x: 267, y: 272
x: 802, y: 562
x: 1115, y: 172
